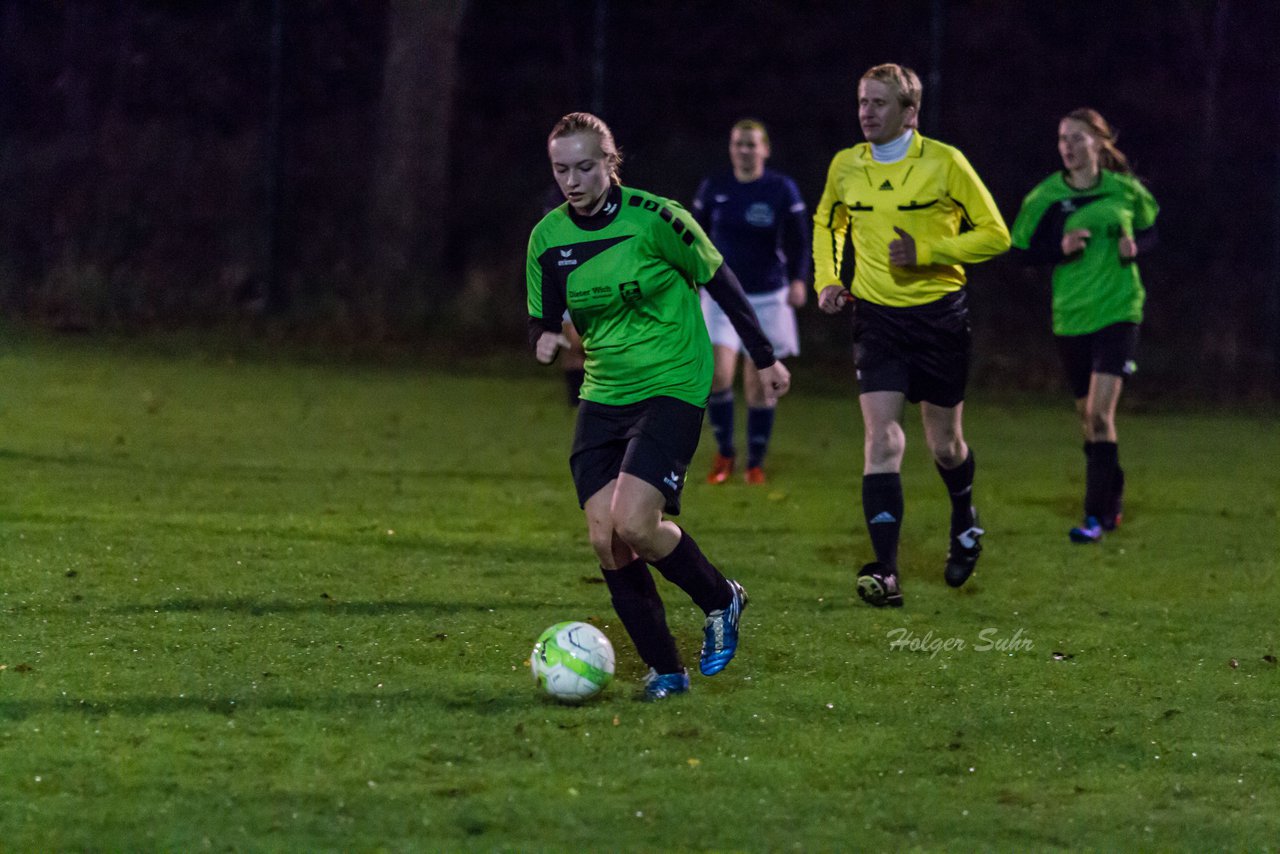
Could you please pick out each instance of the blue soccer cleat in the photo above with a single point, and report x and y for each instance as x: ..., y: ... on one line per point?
x: 720, y: 633
x: 660, y: 686
x: 1089, y: 532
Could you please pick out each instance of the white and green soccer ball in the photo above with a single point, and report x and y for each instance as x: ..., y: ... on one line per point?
x: 572, y: 661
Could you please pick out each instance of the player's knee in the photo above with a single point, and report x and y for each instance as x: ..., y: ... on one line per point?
x: 635, y: 529
x: 1097, y: 424
x: 602, y: 545
x: 949, y: 452
x: 885, y: 446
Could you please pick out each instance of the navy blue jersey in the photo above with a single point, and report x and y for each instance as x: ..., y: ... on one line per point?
x: 759, y: 227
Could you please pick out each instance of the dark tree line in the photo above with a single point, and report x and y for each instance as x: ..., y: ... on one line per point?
x: 371, y: 169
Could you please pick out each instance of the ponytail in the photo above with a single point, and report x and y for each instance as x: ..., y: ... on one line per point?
x: 1110, y: 157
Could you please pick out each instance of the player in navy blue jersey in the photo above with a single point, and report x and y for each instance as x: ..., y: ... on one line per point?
x: 757, y: 220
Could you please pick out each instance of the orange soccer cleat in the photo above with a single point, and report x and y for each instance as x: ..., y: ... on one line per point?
x: 721, y: 469
x: 755, y: 475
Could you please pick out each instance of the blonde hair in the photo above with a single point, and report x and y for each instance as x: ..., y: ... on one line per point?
x: 904, y: 80
x: 1110, y: 157
x: 575, y: 123
x: 753, y: 124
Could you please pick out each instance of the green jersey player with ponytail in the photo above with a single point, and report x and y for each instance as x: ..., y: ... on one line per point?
x: 628, y: 266
x: 1091, y: 221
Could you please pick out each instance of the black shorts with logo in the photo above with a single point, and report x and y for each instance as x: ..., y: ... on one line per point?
x: 1110, y: 350
x: 653, y: 440
x: 920, y: 350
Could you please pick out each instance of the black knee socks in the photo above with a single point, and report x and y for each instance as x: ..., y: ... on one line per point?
x: 636, y: 599
x: 1103, y: 480
x: 882, y: 508
x: 959, y: 481
x: 687, y: 568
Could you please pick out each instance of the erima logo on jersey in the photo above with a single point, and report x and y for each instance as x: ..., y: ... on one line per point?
x: 610, y: 208
x: 884, y: 517
x: 1068, y: 206
x: 567, y: 259
x: 672, y: 480
x: 886, y: 185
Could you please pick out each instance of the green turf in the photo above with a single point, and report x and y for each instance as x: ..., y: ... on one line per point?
x: 254, y: 604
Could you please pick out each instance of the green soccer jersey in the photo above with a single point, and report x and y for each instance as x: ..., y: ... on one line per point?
x: 629, y: 277
x: 1096, y: 287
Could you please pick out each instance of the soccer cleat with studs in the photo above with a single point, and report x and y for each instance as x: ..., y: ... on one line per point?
x: 754, y: 476
x: 660, y: 686
x: 720, y: 633
x: 963, y: 554
x: 1088, y: 532
x: 878, y: 586
x: 721, y: 469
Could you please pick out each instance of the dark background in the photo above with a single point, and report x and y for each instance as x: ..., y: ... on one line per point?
x: 367, y: 171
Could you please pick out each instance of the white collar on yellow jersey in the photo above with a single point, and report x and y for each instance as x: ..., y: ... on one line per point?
x: 892, y: 152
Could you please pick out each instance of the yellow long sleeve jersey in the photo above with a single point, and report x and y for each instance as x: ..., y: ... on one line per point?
x: 931, y: 194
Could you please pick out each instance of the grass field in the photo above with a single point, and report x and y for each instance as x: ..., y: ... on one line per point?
x: 287, y: 605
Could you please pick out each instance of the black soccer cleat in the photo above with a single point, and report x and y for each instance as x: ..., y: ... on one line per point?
x: 878, y: 586
x: 963, y: 554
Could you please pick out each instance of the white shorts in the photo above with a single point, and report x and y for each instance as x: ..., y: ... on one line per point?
x: 777, y: 319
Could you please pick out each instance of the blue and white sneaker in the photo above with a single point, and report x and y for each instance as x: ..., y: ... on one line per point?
x: 660, y: 686
x: 1089, y: 532
x: 720, y: 633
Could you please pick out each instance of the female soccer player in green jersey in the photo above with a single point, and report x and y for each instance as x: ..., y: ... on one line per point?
x: 906, y: 200
x: 628, y: 265
x: 1091, y: 221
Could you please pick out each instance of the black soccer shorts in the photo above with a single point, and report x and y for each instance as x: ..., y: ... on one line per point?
x: 653, y: 440
x: 1110, y: 350
x: 922, y: 351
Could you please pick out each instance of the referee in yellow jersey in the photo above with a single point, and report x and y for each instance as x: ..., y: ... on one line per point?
x: 916, y: 211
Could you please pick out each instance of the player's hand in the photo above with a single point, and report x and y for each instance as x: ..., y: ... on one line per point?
x: 776, y: 381
x: 1128, y: 248
x: 799, y: 293
x: 1074, y: 241
x: 549, y: 343
x: 832, y: 298
x: 902, y: 252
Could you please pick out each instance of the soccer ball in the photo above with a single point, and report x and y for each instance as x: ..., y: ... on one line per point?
x: 572, y: 661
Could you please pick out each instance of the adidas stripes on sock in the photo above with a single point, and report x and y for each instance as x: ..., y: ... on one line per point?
x: 882, y: 508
